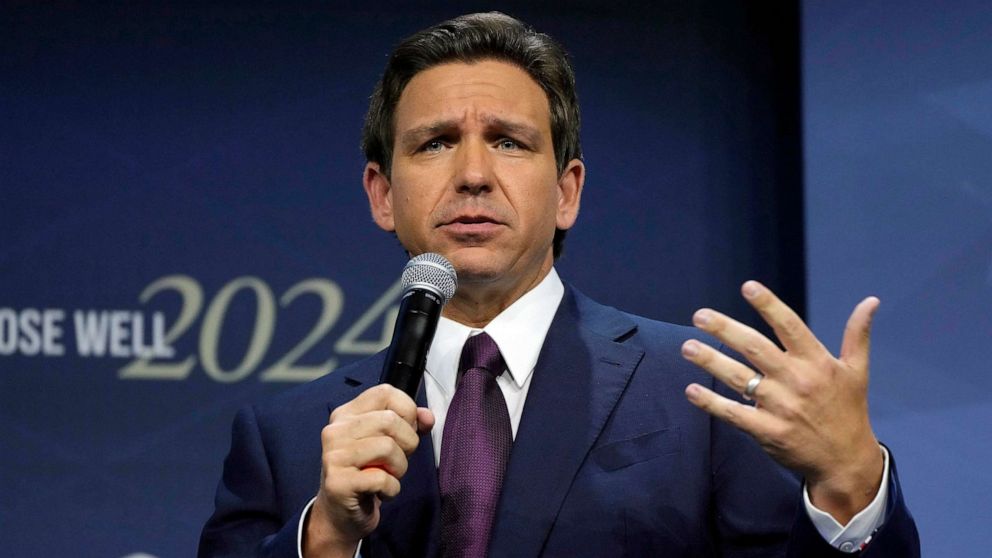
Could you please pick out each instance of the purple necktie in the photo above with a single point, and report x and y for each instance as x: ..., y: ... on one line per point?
x: 474, y: 451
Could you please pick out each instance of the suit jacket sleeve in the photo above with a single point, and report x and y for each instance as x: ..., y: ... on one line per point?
x: 897, y: 536
x: 247, y: 520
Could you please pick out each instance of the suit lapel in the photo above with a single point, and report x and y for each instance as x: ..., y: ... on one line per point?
x: 579, y: 377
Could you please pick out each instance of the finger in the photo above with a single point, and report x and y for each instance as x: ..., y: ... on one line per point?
x: 789, y: 327
x: 377, y: 398
x: 857, y: 334
x: 722, y: 367
x: 754, y: 421
x: 758, y: 349
x: 382, y: 452
x: 378, y: 423
x: 425, y: 420
x: 376, y: 481
x: 733, y: 373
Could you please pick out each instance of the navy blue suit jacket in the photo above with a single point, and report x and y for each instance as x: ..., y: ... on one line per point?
x: 609, y: 460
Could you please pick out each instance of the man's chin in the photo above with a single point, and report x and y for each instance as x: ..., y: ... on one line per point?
x: 477, y: 274
x: 476, y: 265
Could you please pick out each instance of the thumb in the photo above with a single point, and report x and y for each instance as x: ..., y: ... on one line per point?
x: 857, y: 334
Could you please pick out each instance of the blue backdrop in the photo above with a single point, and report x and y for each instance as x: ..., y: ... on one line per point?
x: 898, y: 140
x: 182, y: 227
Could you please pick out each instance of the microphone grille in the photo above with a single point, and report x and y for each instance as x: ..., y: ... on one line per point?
x: 432, y: 271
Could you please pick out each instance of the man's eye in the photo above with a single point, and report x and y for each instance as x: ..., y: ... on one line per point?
x: 433, y: 146
x: 507, y: 143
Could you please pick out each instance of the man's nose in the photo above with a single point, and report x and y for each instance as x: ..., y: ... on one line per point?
x: 474, y: 172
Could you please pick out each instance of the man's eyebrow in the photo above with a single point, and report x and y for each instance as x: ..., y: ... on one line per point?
x: 529, y: 133
x: 413, y: 136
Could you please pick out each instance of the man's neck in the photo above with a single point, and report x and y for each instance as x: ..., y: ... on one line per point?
x: 476, y: 304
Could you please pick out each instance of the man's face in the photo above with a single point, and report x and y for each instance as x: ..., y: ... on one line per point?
x: 473, y: 174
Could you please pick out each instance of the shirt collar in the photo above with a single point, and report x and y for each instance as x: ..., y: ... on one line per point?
x: 518, y: 331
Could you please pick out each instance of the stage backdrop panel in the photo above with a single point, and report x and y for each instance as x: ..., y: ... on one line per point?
x: 183, y: 228
x: 898, y: 139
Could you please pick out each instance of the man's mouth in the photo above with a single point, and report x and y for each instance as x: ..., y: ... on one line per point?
x: 474, y: 219
x: 471, y: 225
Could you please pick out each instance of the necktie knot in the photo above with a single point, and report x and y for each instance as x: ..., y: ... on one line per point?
x: 481, y: 352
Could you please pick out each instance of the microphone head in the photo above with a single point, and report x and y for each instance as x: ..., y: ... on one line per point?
x: 433, y: 272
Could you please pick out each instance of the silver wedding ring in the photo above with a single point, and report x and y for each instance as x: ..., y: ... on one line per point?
x: 752, y: 385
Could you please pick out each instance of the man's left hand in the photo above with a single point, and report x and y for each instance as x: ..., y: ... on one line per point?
x: 811, y: 411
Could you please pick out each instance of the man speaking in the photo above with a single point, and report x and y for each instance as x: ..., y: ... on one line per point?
x: 550, y: 425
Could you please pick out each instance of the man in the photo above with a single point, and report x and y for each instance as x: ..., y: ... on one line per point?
x: 473, y: 153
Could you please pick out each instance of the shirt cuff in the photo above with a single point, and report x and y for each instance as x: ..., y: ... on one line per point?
x: 850, y: 538
x: 299, y: 531
x: 303, y: 521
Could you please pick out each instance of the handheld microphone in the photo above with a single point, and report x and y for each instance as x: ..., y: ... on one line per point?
x: 429, y: 281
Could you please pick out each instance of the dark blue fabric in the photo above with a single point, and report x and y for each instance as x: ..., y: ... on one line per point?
x: 609, y: 460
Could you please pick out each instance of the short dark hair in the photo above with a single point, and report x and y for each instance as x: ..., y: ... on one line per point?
x: 471, y: 38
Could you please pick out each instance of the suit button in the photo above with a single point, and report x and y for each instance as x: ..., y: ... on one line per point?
x: 847, y: 546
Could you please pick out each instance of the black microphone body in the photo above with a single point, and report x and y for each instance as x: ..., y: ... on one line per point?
x: 429, y: 281
x: 416, y: 323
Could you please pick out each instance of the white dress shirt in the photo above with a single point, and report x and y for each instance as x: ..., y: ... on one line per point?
x: 519, y: 332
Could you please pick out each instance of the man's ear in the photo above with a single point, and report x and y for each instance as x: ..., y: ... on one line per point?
x: 570, y: 193
x: 380, y: 194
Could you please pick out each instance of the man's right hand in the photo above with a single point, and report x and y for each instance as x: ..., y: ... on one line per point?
x: 364, y: 456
